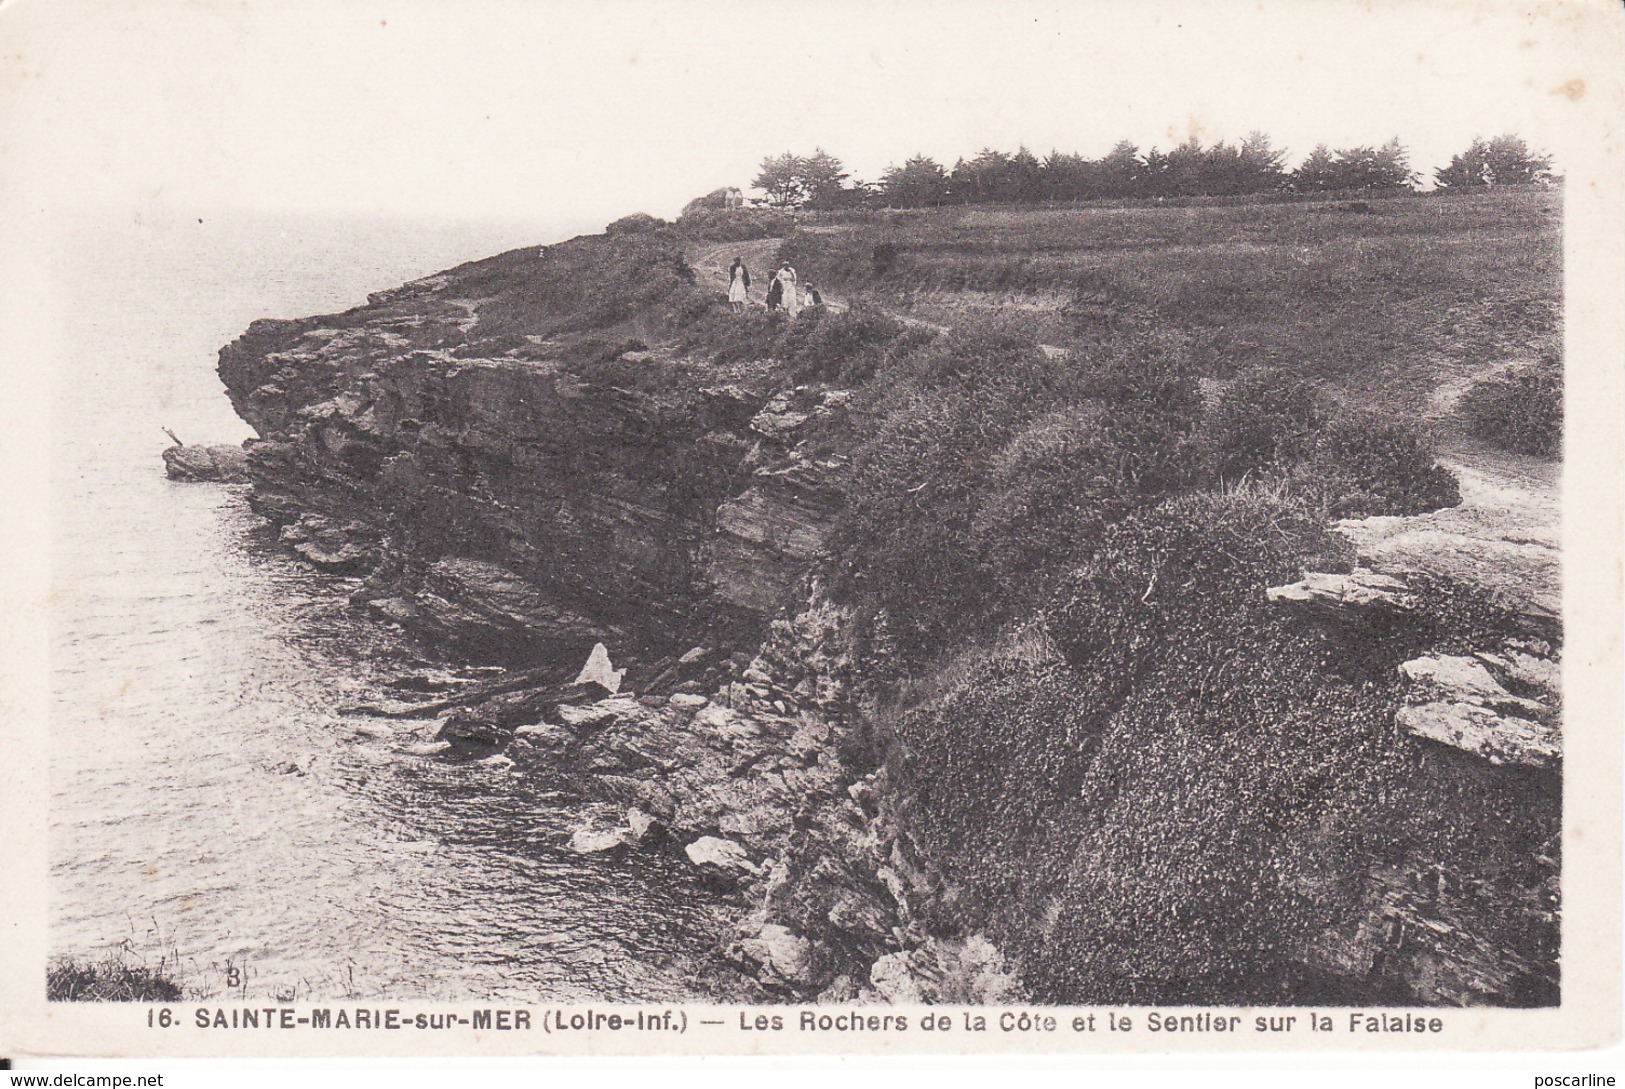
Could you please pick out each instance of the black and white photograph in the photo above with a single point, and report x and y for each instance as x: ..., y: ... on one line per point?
x: 597, y: 524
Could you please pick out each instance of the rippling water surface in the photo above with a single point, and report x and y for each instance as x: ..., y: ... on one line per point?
x: 208, y: 800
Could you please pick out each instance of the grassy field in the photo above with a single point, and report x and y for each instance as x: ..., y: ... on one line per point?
x: 1386, y: 300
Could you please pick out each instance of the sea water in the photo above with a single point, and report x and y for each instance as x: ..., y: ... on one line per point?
x: 211, y: 807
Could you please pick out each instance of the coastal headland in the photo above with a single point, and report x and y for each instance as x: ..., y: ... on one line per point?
x: 1085, y: 604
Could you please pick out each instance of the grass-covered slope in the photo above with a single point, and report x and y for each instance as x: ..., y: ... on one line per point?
x: 1382, y: 298
x: 1186, y: 796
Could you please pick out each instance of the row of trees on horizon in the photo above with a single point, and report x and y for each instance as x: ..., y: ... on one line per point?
x: 1255, y: 165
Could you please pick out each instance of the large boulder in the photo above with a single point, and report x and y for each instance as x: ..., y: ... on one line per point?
x: 1473, y: 728
x: 1359, y: 598
x: 214, y: 464
x: 717, y: 200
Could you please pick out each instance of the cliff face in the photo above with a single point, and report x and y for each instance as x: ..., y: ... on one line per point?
x: 507, y: 502
x: 522, y: 461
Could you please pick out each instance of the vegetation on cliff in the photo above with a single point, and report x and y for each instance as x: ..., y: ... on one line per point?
x: 1185, y: 798
x: 1044, y: 465
x: 112, y: 979
x: 1519, y: 409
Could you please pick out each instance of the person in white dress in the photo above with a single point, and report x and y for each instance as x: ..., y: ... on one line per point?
x: 787, y: 281
x: 738, y: 285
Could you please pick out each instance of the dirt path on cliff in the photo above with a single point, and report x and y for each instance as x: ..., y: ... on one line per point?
x: 1504, y: 536
x: 713, y: 260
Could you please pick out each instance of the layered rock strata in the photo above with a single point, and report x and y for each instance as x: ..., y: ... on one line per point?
x: 501, y: 501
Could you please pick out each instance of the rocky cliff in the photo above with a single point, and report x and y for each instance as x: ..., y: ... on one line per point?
x: 519, y: 458
x: 505, y: 500
x: 523, y: 497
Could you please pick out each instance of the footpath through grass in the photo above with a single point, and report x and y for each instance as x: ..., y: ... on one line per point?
x: 1377, y: 299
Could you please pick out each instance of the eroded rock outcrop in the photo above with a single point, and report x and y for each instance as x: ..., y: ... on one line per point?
x: 502, y: 499
x: 760, y: 804
x: 213, y: 464
x: 1362, y: 597
x: 1455, y: 701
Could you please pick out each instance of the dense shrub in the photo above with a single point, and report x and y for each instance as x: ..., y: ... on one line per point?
x: 1052, y: 490
x: 636, y: 223
x: 1153, y: 405
x: 113, y: 979
x: 989, y: 758
x: 737, y: 225
x: 1007, y: 771
x: 996, y: 363
x: 905, y: 546
x: 820, y: 345
x: 849, y: 346
x: 1264, y: 420
x: 1069, y: 474
x: 1206, y: 552
x: 902, y: 548
x: 1181, y: 808
x: 1350, y: 462
x: 989, y: 467
x: 1518, y: 409
x: 726, y: 337
x: 1363, y: 464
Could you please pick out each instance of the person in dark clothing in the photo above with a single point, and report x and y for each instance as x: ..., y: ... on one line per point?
x: 775, y: 295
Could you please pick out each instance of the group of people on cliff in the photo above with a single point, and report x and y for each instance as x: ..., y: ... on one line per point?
x: 784, y: 293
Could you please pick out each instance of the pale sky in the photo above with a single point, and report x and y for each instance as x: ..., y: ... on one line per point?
x: 580, y: 112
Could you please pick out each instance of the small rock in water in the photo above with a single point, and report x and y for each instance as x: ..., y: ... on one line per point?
x: 600, y: 670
